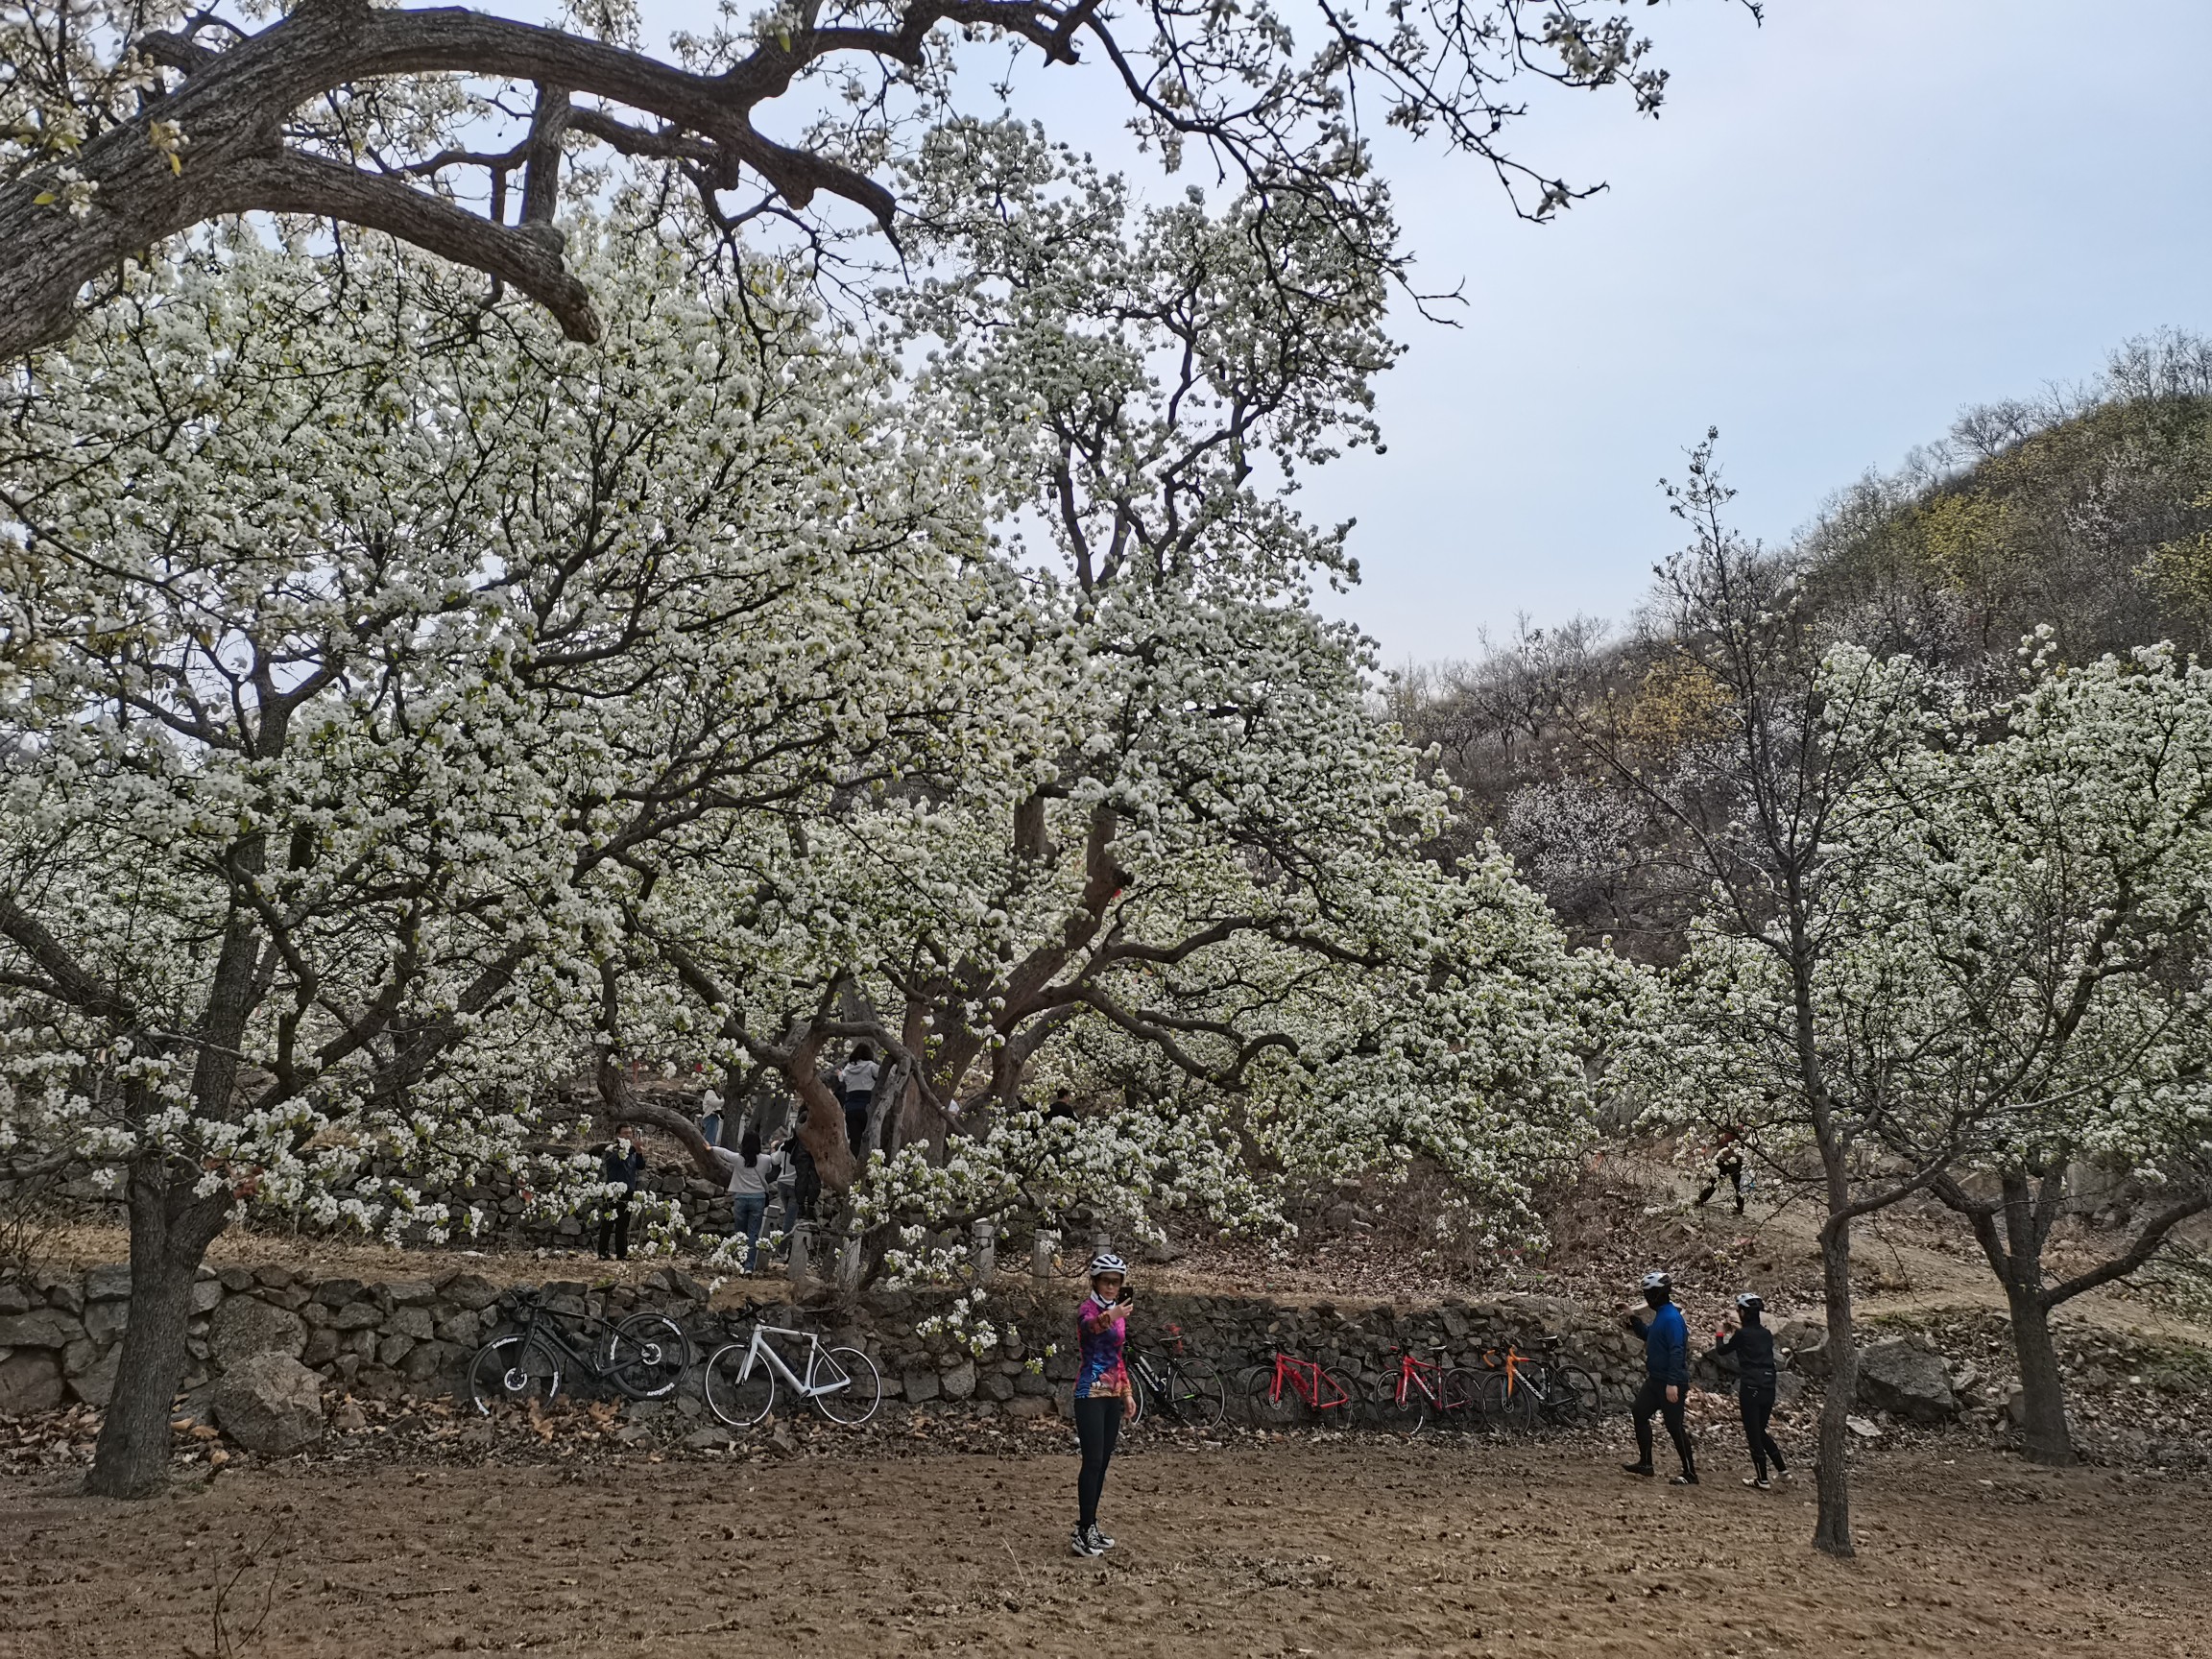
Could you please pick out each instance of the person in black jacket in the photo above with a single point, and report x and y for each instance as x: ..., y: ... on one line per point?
x: 805, y: 1178
x: 1752, y: 1346
x: 620, y: 1162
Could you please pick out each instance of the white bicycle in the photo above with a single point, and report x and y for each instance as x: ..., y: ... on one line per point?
x: 740, y: 1380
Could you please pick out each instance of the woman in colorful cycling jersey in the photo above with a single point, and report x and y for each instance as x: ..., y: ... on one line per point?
x: 1102, y: 1393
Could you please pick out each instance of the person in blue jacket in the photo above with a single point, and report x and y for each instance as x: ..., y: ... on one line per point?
x: 1666, y: 1387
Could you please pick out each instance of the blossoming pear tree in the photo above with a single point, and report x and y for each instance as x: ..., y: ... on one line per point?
x: 2040, y: 902
x: 349, y: 628
x: 1765, y: 1025
x: 1192, y: 844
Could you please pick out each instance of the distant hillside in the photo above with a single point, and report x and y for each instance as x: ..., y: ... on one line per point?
x: 2090, y: 511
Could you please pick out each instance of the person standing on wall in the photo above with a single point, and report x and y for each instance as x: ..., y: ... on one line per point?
x: 751, y: 1170
x: 711, y: 1115
x: 806, y: 1179
x: 783, y: 1179
x: 1666, y: 1389
x: 857, y: 1084
x: 1104, y: 1397
x: 621, y: 1163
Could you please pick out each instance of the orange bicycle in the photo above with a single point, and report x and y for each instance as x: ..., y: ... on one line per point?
x: 1424, y: 1391
x: 1513, y: 1390
x: 1294, y: 1391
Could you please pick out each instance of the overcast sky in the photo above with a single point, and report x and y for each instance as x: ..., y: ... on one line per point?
x: 1846, y: 226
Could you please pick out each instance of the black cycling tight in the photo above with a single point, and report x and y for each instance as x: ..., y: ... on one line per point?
x: 1650, y: 1398
x: 1758, y: 1410
x: 1097, y: 1427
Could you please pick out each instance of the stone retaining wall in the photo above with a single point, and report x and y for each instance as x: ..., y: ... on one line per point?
x: 60, y: 1333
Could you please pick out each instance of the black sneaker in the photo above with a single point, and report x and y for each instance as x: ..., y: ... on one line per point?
x: 1079, y: 1542
x: 1098, y: 1541
x: 1643, y: 1469
x: 1688, y: 1477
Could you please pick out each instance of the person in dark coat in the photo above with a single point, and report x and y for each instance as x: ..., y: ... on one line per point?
x: 806, y: 1179
x: 1728, y: 1167
x: 1751, y: 1344
x: 619, y: 1161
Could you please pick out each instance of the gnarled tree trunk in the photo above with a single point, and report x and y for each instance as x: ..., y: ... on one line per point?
x: 2012, y: 1229
x: 170, y: 1232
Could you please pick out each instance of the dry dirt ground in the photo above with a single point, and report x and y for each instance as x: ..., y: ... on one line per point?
x: 1356, y: 1547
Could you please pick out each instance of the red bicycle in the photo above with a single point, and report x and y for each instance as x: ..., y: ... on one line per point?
x: 1294, y: 1391
x: 1424, y: 1391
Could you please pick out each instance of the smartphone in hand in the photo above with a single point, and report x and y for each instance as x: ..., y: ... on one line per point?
x: 1127, y: 1297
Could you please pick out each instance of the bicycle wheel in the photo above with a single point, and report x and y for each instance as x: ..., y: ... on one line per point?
x: 646, y: 1356
x: 1463, y: 1399
x: 1336, y: 1402
x: 1384, y: 1410
x: 1573, y: 1396
x: 738, y: 1397
x: 857, y: 1389
x: 1269, y: 1408
x: 1193, y: 1394
x: 1487, y: 1397
x: 1140, y: 1389
x: 513, y: 1371
x: 1521, y: 1397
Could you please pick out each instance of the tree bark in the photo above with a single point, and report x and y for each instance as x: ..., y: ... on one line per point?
x: 170, y: 1232
x: 1832, y: 1477
x: 822, y: 1131
x: 630, y: 1110
x: 2045, y: 1436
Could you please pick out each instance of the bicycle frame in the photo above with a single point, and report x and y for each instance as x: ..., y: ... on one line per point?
x: 545, y: 1326
x: 1305, y: 1379
x: 1425, y: 1374
x: 759, y: 1349
x: 1514, y: 1364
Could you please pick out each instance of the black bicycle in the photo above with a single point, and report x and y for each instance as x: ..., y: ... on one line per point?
x: 640, y: 1356
x: 1175, y: 1386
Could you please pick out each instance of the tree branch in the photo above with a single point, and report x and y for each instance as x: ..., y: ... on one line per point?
x: 2147, y: 1245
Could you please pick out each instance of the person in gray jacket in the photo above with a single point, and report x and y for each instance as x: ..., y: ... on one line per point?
x: 750, y: 1171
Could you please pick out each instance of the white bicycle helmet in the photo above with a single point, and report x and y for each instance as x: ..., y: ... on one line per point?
x: 1106, y: 1261
x: 1658, y: 1280
x: 1751, y: 1302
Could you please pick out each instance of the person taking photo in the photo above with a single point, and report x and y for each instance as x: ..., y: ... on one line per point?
x: 1104, y: 1397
